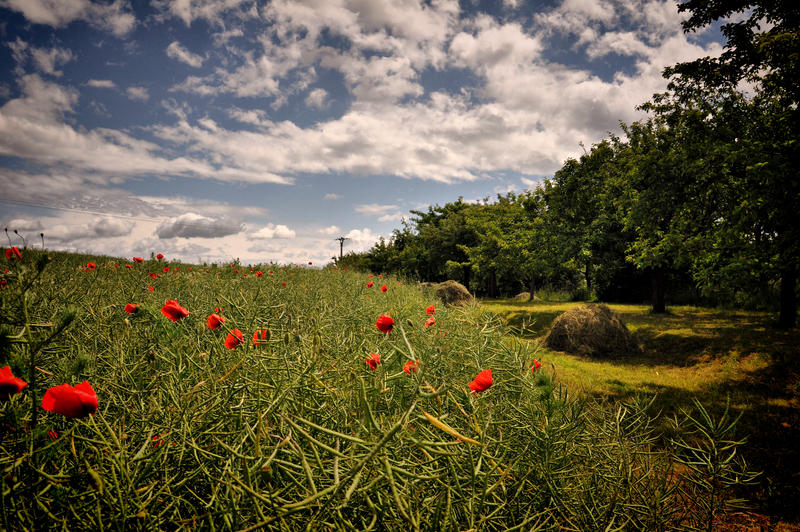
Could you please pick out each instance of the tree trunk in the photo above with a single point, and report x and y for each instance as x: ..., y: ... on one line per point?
x: 492, y: 288
x: 588, y: 274
x: 788, y: 313
x: 659, y: 289
x: 532, y: 288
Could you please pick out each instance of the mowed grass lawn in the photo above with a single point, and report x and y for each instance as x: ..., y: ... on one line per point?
x: 709, y: 354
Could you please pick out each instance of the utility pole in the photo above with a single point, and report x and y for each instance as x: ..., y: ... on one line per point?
x: 341, y: 240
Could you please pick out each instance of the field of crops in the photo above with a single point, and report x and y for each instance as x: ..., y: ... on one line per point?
x: 282, y: 397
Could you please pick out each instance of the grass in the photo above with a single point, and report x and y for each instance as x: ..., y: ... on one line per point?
x: 712, y: 355
x: 298, y: 431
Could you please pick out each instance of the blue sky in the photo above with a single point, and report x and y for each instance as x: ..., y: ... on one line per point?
x: 219, y: 129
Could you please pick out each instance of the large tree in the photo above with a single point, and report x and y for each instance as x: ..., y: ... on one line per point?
x: 763, y: 52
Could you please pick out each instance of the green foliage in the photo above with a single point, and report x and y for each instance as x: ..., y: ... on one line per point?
x: 298, y: 432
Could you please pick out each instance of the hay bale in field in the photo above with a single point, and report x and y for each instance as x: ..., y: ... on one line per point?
x: 591, y: 330
x: 452, y: 293
x: 523, y: 296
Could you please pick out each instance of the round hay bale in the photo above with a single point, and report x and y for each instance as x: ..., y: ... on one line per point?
x: 453, y: 293
x: 523, y: 296
x: 591, y: 330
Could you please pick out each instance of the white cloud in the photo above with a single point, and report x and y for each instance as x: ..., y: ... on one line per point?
x: 193, y: 225
x: 361, y: 239
x: 138, y: 93
x: 332, y: 196
x: 101, y: 83
x: 273, y: 231
x: 209, y: 10
x: 177, y: 51
x: 45, y: 60
x: 317, y: 98
x: 374, y: 209
x: 530, y: 184
x: 114, y: 17
x: 331, y: 230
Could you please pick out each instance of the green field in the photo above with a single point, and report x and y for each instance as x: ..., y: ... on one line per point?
x: 299, y: 431
x: 695, y: 353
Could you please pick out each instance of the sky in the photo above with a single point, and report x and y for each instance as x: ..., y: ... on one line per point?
x: 211, y: 130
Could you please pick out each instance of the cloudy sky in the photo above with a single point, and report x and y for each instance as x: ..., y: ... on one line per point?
x: 216, y: 129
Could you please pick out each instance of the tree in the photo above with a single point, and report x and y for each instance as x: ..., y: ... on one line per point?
x: 762, y: 49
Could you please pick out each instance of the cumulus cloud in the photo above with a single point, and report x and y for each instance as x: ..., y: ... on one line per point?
x: 177, y: 51
x: 193, y: 225
x: 331, y: 230
x: 46, y: 60
x: 273, y: 231
x: 317, y: 98
x: 138, y: 93
x: 332, y: 196
x: 114, y: 17
x: 99, y: 228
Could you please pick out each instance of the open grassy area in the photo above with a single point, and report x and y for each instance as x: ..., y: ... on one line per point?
x: 702, y: 353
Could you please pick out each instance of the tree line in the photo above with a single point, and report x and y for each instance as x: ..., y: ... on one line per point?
x: 695, y: 203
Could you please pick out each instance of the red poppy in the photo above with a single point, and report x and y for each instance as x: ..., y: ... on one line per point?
x: 128, y: 266
x: 380, y: 276
x: 384, y: 288
x: 131, y: 308
x: 373, y: 360
x: 259, y: 273
x: 160, y: 256
x: 166, y: 269
x: 91, y: 266
x: 270, y: 272
x: 173, y: 310
x: 3, y: 283
x: 411, y: 366
x: 215, y: 321
x: 536, y: 365
x: 385, y: 323
x: 208, y: 271
x: 234, y: 338
x: 235, y: 271
x: 157, y: 441
x: 283, y: 283
x: 261, y: 335
x: 430, y: 311
x: 482, y: 382
x: 309, y: 263
x: 370, y: 284
x: 9, y: 384
x: 52, y: 435
x: 75, y: 402
x: 430, y: 321
x: 13, y: 252
x: 370, y: 276
x: 150, y: 288
x: 154, y: 275
x: 138, y: 259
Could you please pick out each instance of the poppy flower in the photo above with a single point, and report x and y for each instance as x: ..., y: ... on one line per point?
x: 150, y: 289
x: 261, y: 335
x: 131, y: 308
x: 370, y: 276
x: 207, y: 271
x: 157, y: 441
x: 283, y: 283
x: 9, y: 384
x: 370, y: 284
x: 385, y: 323
x: 215, y: 321
x: 154, y: 275
x: 13, y: 252
x: 384, y: 288
x: 138, y: 259
x: 91, y: 266
x: 166, y: 269
x: 75, y: 402
x: 309, y: 263
x: 3, y: 283
x: 411, y: 366
x: 373, y: 360
x: 52, y: 435
x: 160, y: 256
x: 482, y: 382
x: 259, y: 273
x: 536, y: 365
x: 128, y: 266
x: 173, y: 310
x: 430, y: 311
x: 235, y: 271
x: 430, y: 321
x: 234, y: 338
x: 270, y: 272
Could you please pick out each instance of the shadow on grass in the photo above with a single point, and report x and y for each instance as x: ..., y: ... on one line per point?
x: 720, y: 354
